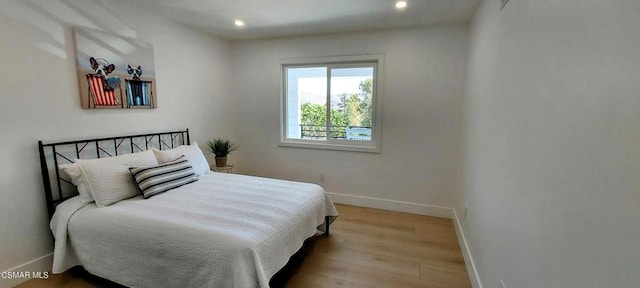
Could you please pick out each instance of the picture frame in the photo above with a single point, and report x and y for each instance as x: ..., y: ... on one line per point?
x: 114, y: 72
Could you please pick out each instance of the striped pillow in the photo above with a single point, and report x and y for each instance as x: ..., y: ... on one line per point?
x: 164, y: 177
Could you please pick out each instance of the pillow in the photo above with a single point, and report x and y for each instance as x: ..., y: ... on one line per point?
x: 109, y: 180
x: 72, y: 172
x: 163, y: 177
x: 191, y: 152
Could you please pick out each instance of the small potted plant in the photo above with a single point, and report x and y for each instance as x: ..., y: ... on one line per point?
x: 221, y: 148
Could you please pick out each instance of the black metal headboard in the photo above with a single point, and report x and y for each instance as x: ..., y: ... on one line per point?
x: 69, y: 151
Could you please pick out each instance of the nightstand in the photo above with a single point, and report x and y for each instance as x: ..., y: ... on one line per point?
x: 223, y: 169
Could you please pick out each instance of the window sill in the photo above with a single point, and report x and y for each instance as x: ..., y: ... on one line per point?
x: 330, y: 146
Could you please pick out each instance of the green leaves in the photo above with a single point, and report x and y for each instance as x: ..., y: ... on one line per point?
x: 314, y: 114
x: 221, y: 147
x: 353, y: 110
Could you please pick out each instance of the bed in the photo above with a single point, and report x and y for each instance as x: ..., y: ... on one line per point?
x: 223, y: 230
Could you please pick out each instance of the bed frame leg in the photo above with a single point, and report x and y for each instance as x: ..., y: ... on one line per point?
x: 326, y: 225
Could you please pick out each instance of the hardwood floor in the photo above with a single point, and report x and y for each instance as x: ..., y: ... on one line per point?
x: 378, y: 248
x: 367, y: 248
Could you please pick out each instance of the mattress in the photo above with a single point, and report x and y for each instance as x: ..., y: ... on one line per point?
x: 225, y: 230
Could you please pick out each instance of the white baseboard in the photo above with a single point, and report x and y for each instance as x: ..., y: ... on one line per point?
x: 41, y: 264
x: 398, y: 206
x: 466, y: 252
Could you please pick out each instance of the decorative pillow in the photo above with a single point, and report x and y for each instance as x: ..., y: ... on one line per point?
x: 109, y: 179
x: 72, y: 172
x: 164, y: 177
x: 190, y: 152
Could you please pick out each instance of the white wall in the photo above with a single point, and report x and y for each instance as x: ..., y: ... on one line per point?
x: 422, y: 103
x: 552, y: 169
x: 39, y: 100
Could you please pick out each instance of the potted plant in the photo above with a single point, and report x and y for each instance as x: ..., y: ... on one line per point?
x: 221, y: 148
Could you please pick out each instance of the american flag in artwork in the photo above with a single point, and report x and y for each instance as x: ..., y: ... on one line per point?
x: 101, y: 96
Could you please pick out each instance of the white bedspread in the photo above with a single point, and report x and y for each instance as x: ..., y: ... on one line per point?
x: 224, y: 230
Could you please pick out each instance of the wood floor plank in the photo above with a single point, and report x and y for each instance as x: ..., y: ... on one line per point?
x: 363, y: 216
x: 453, y: 274
x: 373, y: 213
x: 428, y: 231
x: 378, y: 228
x: 431, y: 240
x: 361, y: 275
x: 349, y: 229
x: 372, y: 228
x: 312, y: 280
x: 374, y: 261
x: 409, y: 250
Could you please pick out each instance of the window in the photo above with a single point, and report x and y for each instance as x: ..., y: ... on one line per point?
x: 332, y: 104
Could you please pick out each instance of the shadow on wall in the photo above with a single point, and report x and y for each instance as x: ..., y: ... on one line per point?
x: 53, y: 18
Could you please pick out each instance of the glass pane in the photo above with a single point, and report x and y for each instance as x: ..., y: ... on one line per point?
x: 306, y: 103
x: 352, y: 103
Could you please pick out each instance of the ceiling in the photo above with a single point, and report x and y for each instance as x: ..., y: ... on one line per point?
x: 281, y: 18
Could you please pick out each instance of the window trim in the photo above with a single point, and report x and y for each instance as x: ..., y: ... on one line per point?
x: 372, y: 146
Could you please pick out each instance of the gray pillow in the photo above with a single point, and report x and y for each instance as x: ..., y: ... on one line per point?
x: 163, y: 177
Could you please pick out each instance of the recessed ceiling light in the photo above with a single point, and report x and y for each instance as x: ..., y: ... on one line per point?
x: 401, y: 4
x: 239, y: 23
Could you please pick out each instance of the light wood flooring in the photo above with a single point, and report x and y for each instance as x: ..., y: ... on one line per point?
x: 367, y: 248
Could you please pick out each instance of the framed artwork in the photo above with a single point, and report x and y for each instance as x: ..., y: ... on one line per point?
x: 114, y: 72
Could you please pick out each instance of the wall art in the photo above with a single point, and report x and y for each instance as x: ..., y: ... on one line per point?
x: 114, y: 72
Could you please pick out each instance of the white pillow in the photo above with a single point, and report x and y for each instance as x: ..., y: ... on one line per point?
x: 191, y: 152
x: 73, y: 173
x: 109, y: 179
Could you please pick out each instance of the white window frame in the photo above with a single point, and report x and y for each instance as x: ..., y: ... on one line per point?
x: 372, y: 146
